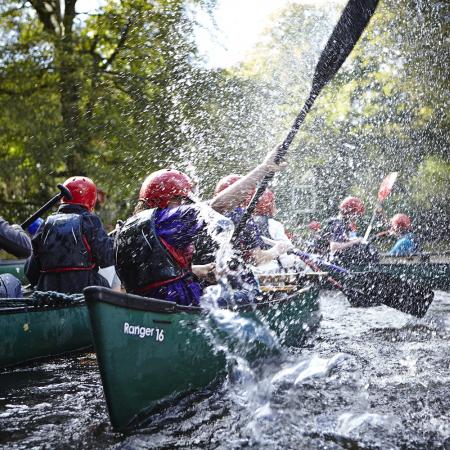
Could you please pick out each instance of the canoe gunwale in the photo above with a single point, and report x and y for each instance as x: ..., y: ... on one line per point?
x: 5, y: 310
x: 136, y: 302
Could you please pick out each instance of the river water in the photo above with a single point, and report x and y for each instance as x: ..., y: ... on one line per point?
x: 368, y: 379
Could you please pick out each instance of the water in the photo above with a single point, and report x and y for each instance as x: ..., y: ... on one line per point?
x: 370, y: 379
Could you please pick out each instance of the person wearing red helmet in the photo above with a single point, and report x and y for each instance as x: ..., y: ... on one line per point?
x: 252, y: 244
x: 407, y: 243
x: 274, y: 235
x: 154, y: 248
x: 340, y: 232
x: 71, y: 245
x: 343, y: 228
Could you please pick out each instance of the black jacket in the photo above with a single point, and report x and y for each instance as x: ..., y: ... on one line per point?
x: 71, y: 281
x: 14, y: 240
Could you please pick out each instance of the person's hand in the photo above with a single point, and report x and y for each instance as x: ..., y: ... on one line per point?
x: 269, y: 163
x: 281, y: 247
x: 358, y: 240
x: 203, y: 270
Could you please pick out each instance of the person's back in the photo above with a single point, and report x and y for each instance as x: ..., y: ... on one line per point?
x: 15, y: 241
x: 154, y: 251
x: 71, y: 245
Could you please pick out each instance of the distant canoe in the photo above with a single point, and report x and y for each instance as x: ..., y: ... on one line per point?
x: 33, y: 330
x: 150, y: 351
x: 430, y: 268
x: 14, y: 267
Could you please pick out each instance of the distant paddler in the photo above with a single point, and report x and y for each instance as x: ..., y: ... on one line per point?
x: 346, y: 248
x: 407, y: 242
x: 155, y: 246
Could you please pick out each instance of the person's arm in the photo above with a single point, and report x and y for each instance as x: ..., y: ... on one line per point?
x: 338, y: 246
x: 203, y: 270
x: 259, y: 256
x: 233, y: 195
x: 101, y: 244
x: 14, y: 240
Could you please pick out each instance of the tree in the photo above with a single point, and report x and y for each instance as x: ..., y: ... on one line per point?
x: 90, y: 94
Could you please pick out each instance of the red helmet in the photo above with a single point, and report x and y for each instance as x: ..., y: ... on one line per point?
x: 83, y: 190
x: 314, y: 225
x: 400, y: 222
x: 352, y: 205
x: 266, y: 204
x: 224, y: 182
x: 160, y: 187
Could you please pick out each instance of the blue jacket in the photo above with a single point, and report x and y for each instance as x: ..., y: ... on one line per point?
x: 405, y: 246
x: 54, y: 265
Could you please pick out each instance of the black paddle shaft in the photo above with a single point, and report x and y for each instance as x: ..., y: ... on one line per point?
x: 64, y: 193
x: 353, y: 21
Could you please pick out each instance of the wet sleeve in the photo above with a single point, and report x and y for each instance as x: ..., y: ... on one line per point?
x: 101, y: 244
x: 14, y: 240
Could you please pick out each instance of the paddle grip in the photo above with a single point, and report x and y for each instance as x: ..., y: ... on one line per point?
x: 64, y: 193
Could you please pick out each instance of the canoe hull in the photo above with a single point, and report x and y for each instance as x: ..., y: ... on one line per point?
x: 150, y: 351
x: 14, y: 267
x: 30, y: 333
x: 433, y: 270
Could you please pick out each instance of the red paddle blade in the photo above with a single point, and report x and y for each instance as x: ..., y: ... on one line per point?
x: 386, y: 186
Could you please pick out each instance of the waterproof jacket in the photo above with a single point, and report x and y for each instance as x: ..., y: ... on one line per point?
x: 68, y: 249
x: 14, y: 240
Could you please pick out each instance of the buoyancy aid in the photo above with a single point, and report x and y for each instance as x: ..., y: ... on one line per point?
x: 64, y: 247
x: 143, y: 260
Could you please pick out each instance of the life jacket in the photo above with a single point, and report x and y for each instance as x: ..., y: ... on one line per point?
x: 64, y: 247
x: 145, y: 261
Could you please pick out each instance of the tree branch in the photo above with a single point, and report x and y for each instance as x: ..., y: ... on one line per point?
x: 49, y: 14
x: 120, y: 44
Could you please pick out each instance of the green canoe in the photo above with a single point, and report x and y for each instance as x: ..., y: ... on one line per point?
x: 429, y: 268
x: 151, y: 351
x: 33, y: 329
x: 14, y: 267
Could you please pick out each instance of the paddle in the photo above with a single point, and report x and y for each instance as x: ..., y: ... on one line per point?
x: 373, y: 288
x: 353, y: 20
x: 64, y: 193
x: 383, y: 193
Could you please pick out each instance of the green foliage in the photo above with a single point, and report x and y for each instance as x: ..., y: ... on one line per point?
x: 387, y: 108
x: 105, y: 95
